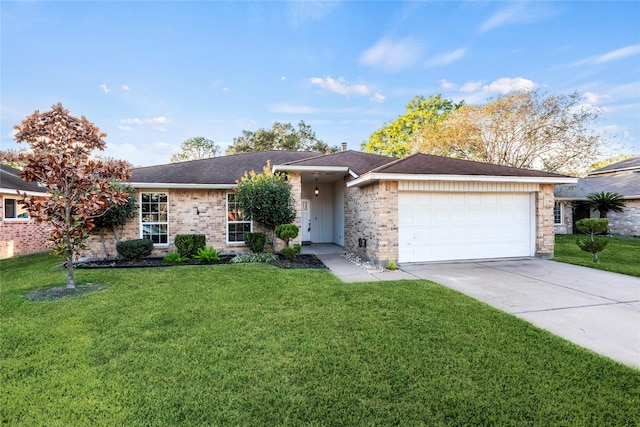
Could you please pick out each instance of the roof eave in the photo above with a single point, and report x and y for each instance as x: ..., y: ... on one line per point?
x: 22, y: 192
x: 371, y: 177
x: 299, y: 168
x: 175, y: 185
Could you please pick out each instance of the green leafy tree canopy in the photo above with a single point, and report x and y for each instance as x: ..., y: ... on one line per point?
x: 196, y: 148
x: 282, y: 136
x: 399, y: 137
x: 606, y: 202
x: 266, y: 198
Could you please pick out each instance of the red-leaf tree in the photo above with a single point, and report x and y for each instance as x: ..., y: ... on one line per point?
x: 79, y: 188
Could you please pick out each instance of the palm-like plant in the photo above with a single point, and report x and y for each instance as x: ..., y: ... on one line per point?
x: 606, y: 202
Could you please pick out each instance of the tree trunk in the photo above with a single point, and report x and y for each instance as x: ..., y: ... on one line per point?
x: 104, y: 244
x: 71, y: 280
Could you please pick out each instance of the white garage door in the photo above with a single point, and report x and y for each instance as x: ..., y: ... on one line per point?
x: 457, y: 226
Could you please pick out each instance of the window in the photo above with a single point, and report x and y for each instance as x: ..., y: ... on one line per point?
x: 153, y: 217
x: 237, y: 223
x: 14, y: 210
x: 557, y: 213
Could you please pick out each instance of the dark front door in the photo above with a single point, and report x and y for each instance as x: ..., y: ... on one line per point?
x: 580, y: 211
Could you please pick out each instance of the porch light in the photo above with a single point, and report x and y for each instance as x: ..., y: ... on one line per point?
x: 316, y: 190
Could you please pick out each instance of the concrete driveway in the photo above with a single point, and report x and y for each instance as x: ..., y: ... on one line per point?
x: 592, y: 308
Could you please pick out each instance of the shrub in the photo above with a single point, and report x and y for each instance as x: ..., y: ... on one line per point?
x: 591, y: 227
x: 253, y: 257
x: 175, y: 258
x: 291, y: 252
x: 391, y: 265
x: 287, y: 232
x: 255, y: 241
x: 208, y: 255
x: 188, y: 244
x: 134, y: 249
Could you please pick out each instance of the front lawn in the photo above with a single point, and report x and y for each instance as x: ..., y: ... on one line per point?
x: 257, y: 345
x: 622, y: 254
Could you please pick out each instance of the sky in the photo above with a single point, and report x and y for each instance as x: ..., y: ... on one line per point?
x: 152, y: 74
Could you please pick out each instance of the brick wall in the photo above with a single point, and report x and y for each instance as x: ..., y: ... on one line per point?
x: 21, y: 237
x: 371, y: 213
x: 545, y: 236
x: 191, y: 212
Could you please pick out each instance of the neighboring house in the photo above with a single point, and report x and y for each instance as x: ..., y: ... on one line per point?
x: 415, y: 209
x: 19, y: 235
x: 622, y: 178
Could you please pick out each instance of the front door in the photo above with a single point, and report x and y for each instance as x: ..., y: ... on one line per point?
x: 305, y: 221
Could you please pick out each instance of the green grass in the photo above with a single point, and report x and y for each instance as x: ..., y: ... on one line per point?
x: 256, y: 345
x: 622, y: 254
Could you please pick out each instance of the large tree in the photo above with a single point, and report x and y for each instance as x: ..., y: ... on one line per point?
x: 400, y: 137
x: 196, y: 148
x: 266, y: 198
x: 78, y: 188
x: 282, y: 136
x: 525, y: 129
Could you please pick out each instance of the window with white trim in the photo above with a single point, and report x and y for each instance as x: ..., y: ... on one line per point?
x: 238, y: 224
x: 557, y: 213
x: 13, y: 209
x: 154, y: 218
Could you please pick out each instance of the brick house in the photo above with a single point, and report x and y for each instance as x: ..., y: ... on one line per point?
x: 420, y: 208
x: 19, y: 235
x: 622, y: 178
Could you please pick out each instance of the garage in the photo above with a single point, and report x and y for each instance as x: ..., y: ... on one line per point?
x: 435, y: 226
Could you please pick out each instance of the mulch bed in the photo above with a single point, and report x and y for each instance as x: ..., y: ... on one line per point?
x: 63, y: 292
x: 300, y: 261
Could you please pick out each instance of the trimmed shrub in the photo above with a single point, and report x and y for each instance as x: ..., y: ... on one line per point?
x: 291, y: 252
x: 255, y: 241
x: 188, y: 244
x: 391, y: 265
x: 287, y: 232
x: 134, y: 249
x: 591, y: 227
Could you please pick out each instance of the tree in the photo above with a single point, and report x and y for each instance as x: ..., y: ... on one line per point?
x: 606, y: 202
x: 266, y: 198
x: 282, y: 136
x: 591, y: 227
x: 115, y: 218
x: 196, y: 148
x: 609, y: 161
x: 79, y: 189
x: 525, y: 129
x: 401, y: 137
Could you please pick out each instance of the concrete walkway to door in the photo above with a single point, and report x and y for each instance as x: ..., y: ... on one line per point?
x: 595, y: 309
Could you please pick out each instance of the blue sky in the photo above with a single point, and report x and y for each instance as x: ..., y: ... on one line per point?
x: 152, y: 74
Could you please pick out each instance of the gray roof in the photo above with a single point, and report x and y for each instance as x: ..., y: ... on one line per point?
x: 9, y: 180
x: 216, y: 170
x: 357, y: 161
x: 628, y: 164
x: 435, y: 165
x: 226, y: 170
x: 627, y: 184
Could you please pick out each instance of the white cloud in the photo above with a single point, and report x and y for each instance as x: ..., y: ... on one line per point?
x: 619, y: 54
x: 591, y: 98
x: 158, y: 124
x: 378, y: 97
x: 519, y: 12
x: 444, y: 84
x: 104, y: 88
x: 507, y: 84
x: 125, y: 88
x: 446, y: 58
x: 283, y: 78
x: 340, y: 86
x: 392, y: 55
x: 304, y: 11
x: 471, y: 86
